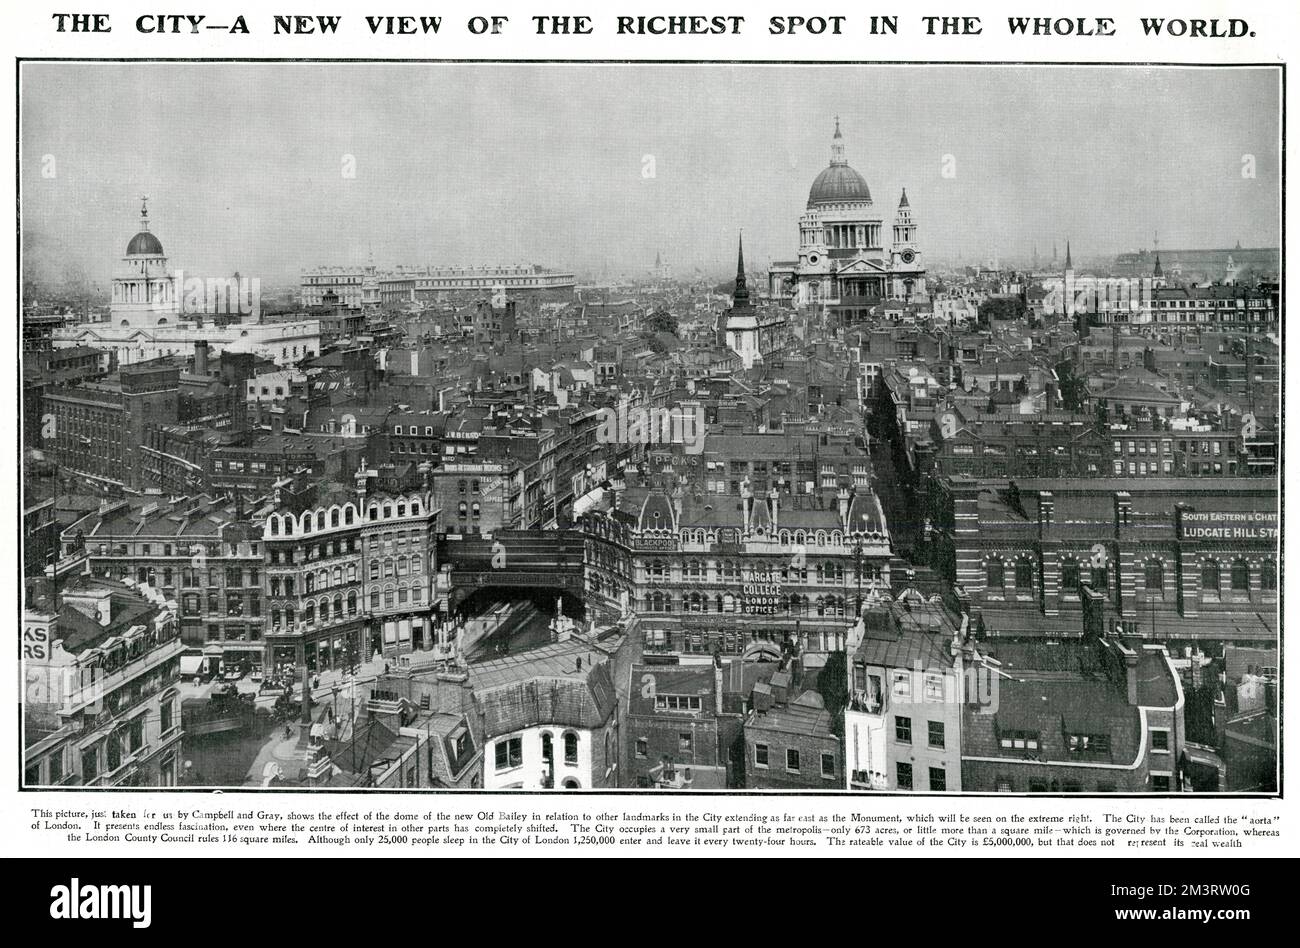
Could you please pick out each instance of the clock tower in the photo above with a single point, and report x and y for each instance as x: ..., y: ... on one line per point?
x: 907, y: 272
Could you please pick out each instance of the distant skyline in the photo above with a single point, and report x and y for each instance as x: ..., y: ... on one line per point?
x: 597, y: 167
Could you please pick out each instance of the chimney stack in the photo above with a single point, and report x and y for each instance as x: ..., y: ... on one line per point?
x: 201, y: 357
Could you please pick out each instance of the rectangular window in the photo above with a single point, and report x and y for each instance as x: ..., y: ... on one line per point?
x: 642, y: 748
x: 1160, y: 783
x: 792, y: 760
x: 1160, y: 740
x: 509, y: 753
x: 685, y: 742
x: 938, y: 779
x: 904, y: 776
x: 760, y: 755
x: 933, y: 687
x: 936, y: 735
x: 677, y: 702
x: 903, y: 730
x: 1089, y: 744
x: 1018, y: 741
x: 828, y: 765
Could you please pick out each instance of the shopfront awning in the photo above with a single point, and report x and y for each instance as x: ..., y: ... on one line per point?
x: 191, y: 664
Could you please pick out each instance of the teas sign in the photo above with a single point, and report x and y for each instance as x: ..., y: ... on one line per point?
x: 1223, y: 525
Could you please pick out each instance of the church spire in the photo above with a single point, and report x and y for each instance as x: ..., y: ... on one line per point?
x: 903, y: 202
x: 1158, y: 273
x: 1068, y: 264
x: 741, y: 295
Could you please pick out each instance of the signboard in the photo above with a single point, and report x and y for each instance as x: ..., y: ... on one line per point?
x: 1225, y: 525
x: 656, y: 544
x: 762, y: 597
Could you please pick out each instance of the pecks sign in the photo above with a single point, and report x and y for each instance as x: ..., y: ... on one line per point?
x: 1225, y: 525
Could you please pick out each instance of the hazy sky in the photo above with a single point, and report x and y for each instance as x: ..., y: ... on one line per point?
x: 243, y: 163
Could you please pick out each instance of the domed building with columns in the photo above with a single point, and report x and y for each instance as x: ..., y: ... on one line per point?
x: 144, y: 291
x: 845, y: 262
x: 154, y: 312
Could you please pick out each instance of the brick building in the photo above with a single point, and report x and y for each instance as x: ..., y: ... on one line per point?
x: 1103, y: 715
x: 1162, y: 559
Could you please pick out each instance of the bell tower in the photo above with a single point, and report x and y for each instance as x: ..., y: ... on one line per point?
x: 907, y: 272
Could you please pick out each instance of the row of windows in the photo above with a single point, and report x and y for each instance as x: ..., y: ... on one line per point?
x: 905, y: 779
x: 333, y: 610
x: 935, y: 732
x: 794, y: 604
x: 732, y: 571
x: 508, y: 753
x: 343, y: 516
x: 1153, y: 572
x: 785, y: 537
x: 793, y: 760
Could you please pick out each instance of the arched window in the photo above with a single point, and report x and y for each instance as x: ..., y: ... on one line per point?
x: 1024, y: 573
x: 309, y: 613
x: 996, y: 573
x: 548, y: 746
x: 1211, y: 577
x: 401, y: 509
x: 352, y: 603
x: 347, y: 515
x: 334, y: 518
x: 1268, y: 576
x: 320, y: 520
x: 275, y: 526
x: 1070, y: 575
x: 1100, y: 578
x: 1155, y: 576
x: 338, y: 607
x: 1240, y: 576
x: 570, y: 747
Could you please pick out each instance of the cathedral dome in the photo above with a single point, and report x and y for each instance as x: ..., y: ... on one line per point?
x: 144, y: 244
x: 837, y: 184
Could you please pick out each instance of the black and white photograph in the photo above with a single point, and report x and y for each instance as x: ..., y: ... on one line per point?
x: 844, y: 430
